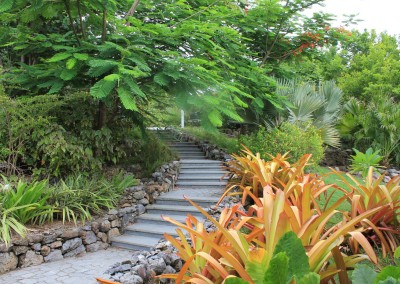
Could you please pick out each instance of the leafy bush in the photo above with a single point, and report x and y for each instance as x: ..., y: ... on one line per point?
x: 151, y: 153
x: 78, y: 197
x: 361, y: 162
x: 287, y: 138
x: 22, y: 203
x: 51, y: 135
x: 231, y: 145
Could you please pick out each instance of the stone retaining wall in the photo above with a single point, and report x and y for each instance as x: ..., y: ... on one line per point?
x: 48, y: 245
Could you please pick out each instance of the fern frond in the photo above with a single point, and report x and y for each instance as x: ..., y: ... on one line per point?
x: 102, y: 88
x: 127, y: 99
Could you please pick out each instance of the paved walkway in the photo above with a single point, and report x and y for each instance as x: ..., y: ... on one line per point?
x: 72, y: 270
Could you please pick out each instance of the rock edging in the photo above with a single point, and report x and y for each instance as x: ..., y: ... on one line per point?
x: 57, y: 243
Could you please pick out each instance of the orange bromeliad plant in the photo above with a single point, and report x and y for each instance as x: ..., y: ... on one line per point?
x: 284, y: 200
x: 383, y: 226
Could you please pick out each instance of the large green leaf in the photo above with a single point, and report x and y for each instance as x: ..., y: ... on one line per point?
x: 310, y: 278
x: 6, y: 5
x: 363, y: 274
x: 387, y: 273
x: 278, y: 269
x: 59, y: 57
x: 127, y: 99
x: 102, y: 89
x: 291, y: 245
x: 235, y: 280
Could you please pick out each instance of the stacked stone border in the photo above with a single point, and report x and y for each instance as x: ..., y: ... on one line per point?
x: 40, y: 246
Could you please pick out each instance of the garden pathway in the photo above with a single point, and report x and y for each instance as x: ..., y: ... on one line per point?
x: 199, y: 179
x: 73, y: 270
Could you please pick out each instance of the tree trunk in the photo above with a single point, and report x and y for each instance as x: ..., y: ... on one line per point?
x: 101, y: 116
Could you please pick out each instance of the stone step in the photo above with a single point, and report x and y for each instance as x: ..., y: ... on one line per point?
x: 172, y: 210
x: 156, y: 219
x: 180, y: 201
x: 197, y: 161
x: 149, y: 230
x: 193, y: 154
x: 200, y: 184
x: 201, y: 176
x: 192, y: 157
x: 199, y: 166
x: 134, y: 242
x: 218, y: 170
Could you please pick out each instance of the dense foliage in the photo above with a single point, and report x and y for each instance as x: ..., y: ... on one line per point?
x: 296, y: 140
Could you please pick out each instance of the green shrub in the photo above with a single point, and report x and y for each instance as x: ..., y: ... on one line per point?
x: 287, y: 138
x: 361, y: 162
x: 78, y: 197
x: 51, y: 135
x: 22, y: 203
x: 229, y: 144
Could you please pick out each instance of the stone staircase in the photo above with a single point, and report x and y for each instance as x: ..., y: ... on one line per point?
x: 199, y: 179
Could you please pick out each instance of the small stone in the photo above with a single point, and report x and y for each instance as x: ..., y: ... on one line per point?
x: 87, y: 228
x: 78, y: 251
x: 144, y: 201
x: 103, y: 237
x: 169, y: 270
x: 105, y: 226
x: 5, y: 248
x: 20, y: 242
x: 55, y: 245
x: 95, y: 227
x: 71, y: 233
x: 112, y: 217
x: 37, y: 246
x: 140, y: 270
x: 50, y: 238
x: 31, y: 259
x: 113, y: 233
x: 88, y: 237
x: 35, y: 238
x: 18, y: 250
x: 54, y: 256
x: 71, y: 244
x: 157, y: 264
x: 130, y: 278
x: 139, y: 195
x: 45, y: 250
x: 140, y: 209
x: 8, y: 262
x: 93, y: 247
x: 112, y: 212
x: 116, y: 223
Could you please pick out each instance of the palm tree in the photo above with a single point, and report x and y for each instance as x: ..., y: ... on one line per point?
x: 319, y: 106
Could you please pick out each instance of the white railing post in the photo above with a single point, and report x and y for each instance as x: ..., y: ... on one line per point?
x: 182, y: 119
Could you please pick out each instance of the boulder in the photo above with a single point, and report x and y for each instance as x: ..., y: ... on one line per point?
x: 71, y: 245
x: 79, y: 250
x: 8, y: 262
x: 71, y: 233
x: 31, y: 259
x: 54, y: 256
x: 88, y: 237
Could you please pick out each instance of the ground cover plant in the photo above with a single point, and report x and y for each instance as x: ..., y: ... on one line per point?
x: 74, y: 199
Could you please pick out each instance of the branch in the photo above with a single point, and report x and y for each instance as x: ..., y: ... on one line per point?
x: 80, y: 18
x: 71, y: 21
x: 195, y: 14
x: 132, y: 10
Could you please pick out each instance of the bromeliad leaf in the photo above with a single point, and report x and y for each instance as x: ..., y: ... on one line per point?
x: 102, y: 88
